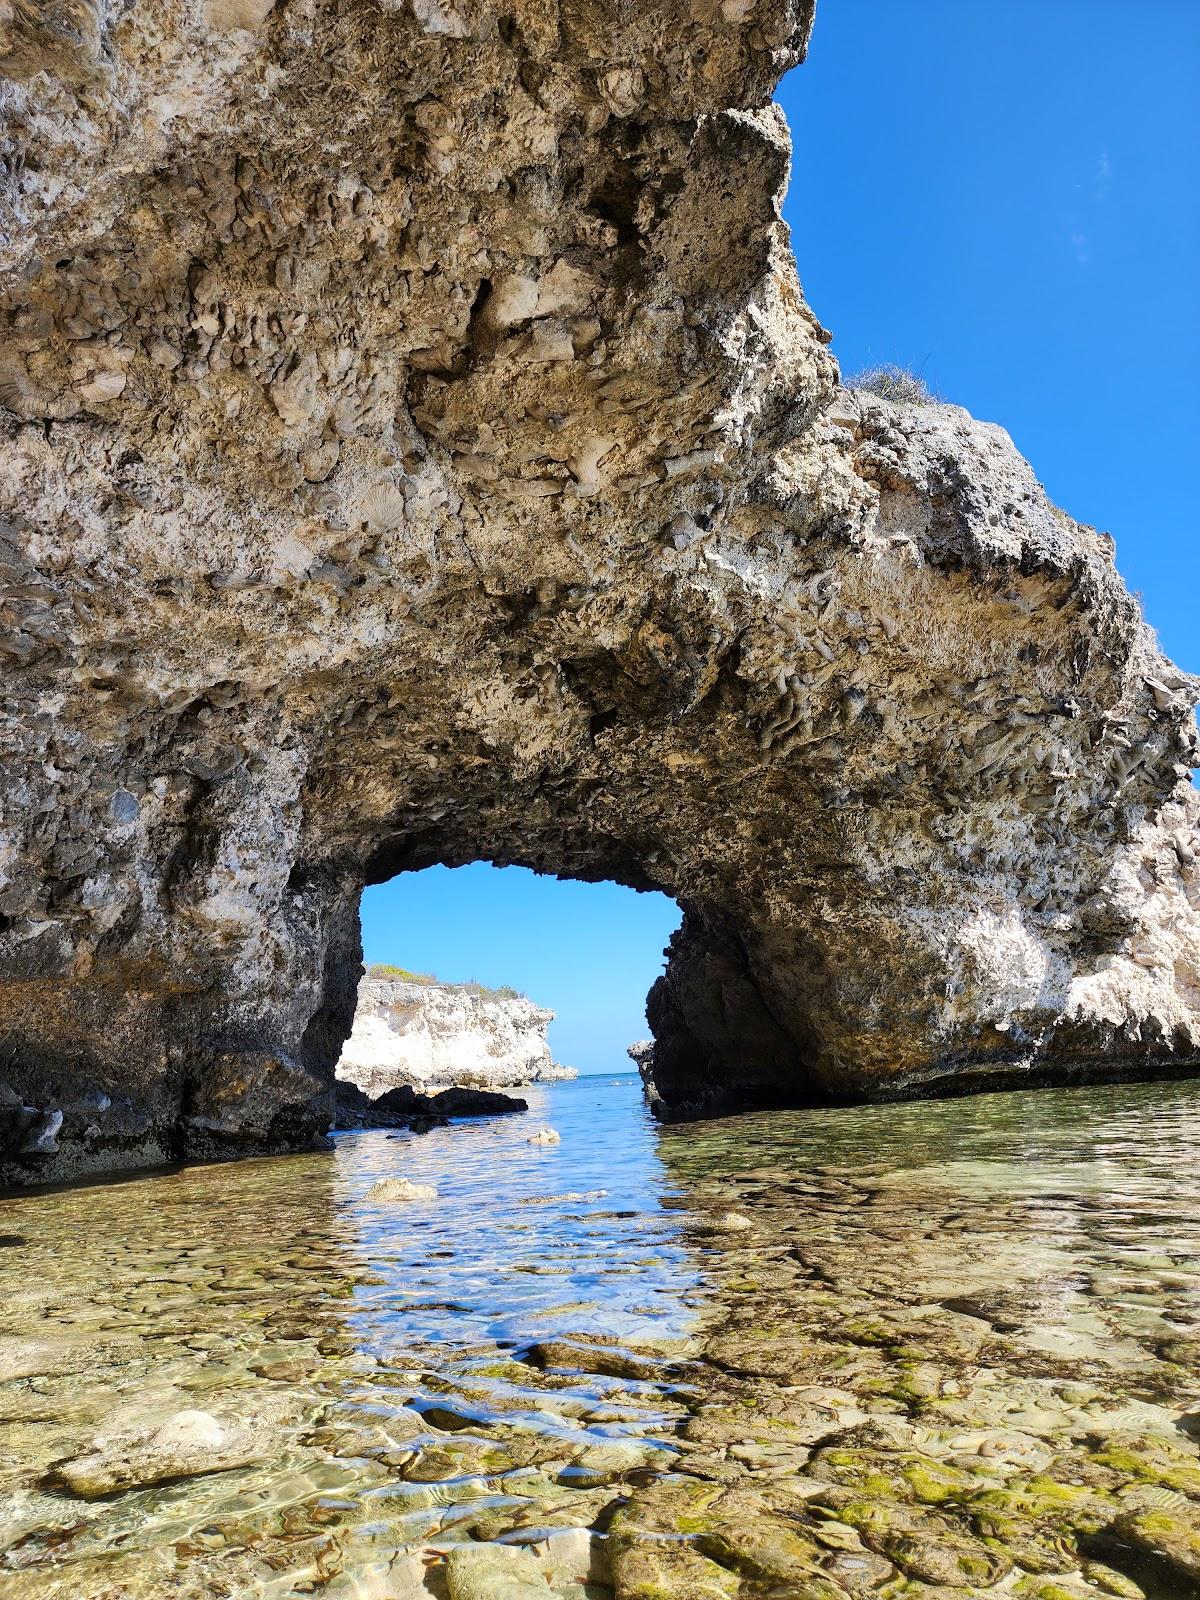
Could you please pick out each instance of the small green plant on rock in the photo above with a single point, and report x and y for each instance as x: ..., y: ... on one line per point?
x: 384, y: 969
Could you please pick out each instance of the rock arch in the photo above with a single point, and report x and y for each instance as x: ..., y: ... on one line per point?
x: 417, y: 448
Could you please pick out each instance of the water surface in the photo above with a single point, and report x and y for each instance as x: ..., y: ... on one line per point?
x: 900, y: 1351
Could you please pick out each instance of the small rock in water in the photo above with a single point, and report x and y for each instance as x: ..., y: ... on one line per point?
x: 566, y: 1556
x: 189, y: 1430
x: 35, y: 1358
x: 388, y: 1189
x: 572, y: 1196
x: 571, y: 1555
x: 729, y: 1222
x: 605, y: 1360
x: 494, y: 1572
x: 544, y: 1136
x: 184, y: 1446
x: 401, y: 1578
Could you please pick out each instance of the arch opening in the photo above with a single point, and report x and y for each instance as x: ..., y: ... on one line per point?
x: 588, y: 952
x: 479, y: 515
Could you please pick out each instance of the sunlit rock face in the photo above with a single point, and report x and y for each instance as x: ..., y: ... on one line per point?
x: 427, y: 1034
x: 417, y: 449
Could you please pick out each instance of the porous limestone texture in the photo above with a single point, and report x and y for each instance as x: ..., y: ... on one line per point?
x: 433, y: 1035
x: 417, y: 448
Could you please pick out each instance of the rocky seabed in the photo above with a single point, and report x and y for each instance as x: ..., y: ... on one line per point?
x: 870, y: 1354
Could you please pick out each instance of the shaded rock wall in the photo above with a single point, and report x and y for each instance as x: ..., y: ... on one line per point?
x: 417, y: 448
x: 439, y: 1034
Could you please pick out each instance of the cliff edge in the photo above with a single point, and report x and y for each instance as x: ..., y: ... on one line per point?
x: 441, y: 1035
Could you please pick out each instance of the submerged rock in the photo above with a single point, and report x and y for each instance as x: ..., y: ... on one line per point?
x: 593, y: 1355
x: 494, y: 1572
x: 725, y: 1222
x: 485, y: 489
x: 186, y: 1445
x: 570, y: 1556
x: 392, y: 1189
x: 545, y: 1136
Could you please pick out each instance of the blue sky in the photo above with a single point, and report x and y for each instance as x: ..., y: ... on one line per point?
x: 588, y: 950
x: 1007, y: 197
x: 1004, y: 197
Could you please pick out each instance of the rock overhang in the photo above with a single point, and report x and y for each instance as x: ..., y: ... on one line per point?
x: 418, y: 448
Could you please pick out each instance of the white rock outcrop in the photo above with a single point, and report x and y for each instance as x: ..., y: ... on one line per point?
x: 440, y: 1035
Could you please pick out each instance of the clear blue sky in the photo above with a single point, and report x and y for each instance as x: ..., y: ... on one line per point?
x: 1006, y: 197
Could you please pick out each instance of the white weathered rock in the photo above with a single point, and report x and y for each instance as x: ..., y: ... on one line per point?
x: 494, y: 1572
x: 545, y: 1136
x: 728, y: 1222
x: 434, y: 1035
x: 388, y: 1190
x: 571, y: 1555
x: 334, y: 571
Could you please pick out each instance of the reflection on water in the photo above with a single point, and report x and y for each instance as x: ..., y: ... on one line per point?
x: 370, y: 1350
x: 956, y: 1349
x: 931, y: 1350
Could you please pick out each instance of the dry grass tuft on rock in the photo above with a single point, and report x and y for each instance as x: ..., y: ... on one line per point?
x: 384, y: 969
x: 897, y: 384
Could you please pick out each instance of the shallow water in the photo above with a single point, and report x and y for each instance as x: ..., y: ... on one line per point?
x: 929, y: 1350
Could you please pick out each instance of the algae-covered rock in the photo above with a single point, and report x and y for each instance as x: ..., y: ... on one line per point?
x: 1172, y: 1537
x: 669, y: 1570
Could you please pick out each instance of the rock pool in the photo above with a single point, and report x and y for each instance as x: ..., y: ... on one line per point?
x: 934, y: 1350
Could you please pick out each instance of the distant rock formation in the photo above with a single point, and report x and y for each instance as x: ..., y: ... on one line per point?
x: 437, y: 1035
x: 641, y: 1053
x: 406, y: 1107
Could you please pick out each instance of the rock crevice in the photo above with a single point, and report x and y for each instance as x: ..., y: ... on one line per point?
x: 417, y: 448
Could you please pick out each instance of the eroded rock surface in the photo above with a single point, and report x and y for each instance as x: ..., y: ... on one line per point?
x: 416, y: 449
x: 424, y: 1034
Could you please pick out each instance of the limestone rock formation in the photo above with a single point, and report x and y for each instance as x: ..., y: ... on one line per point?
x: 416, y: 1112
x: 417, y: 448
x: 434, y: 1035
